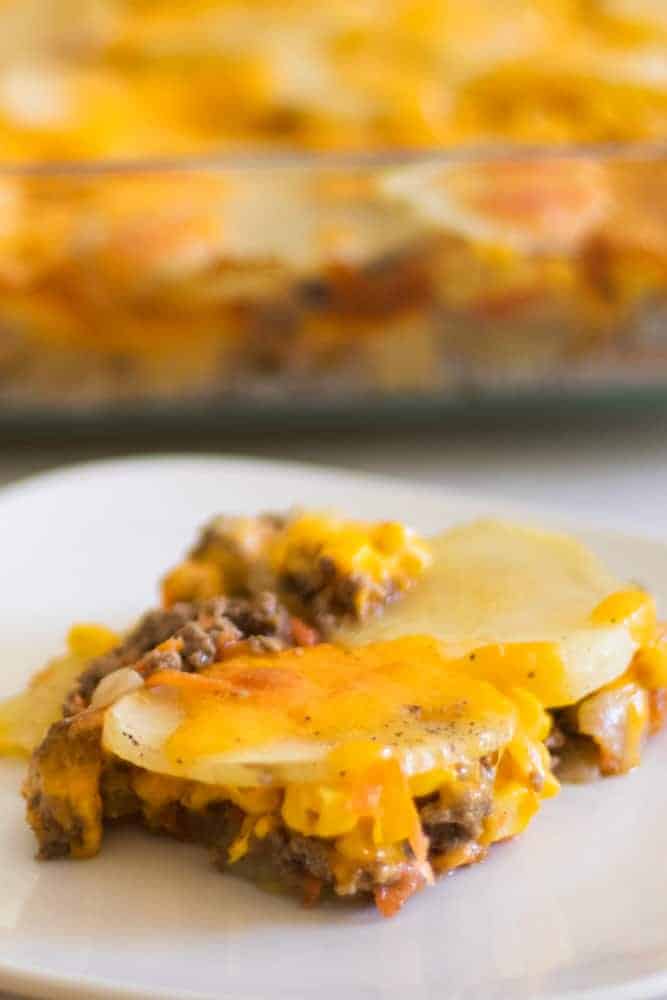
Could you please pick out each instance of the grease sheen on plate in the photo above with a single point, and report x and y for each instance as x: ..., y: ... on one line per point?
x: 576, y: 906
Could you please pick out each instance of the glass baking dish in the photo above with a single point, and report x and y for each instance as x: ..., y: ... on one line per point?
x: 266, y: 209
x: 329, y: 282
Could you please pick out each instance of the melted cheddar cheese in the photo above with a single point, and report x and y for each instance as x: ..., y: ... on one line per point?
x: 93, y: 78
x: 312, y: 559
x: 385, y: 556
x: 389, y: 693
x: 398, y: 724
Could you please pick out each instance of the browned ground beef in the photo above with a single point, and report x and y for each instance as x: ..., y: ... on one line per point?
x: 62, y: 788
x: 455, y: 824
x: 153, y: 628
x: 325, y: 596
x: 292, y: 855
x: 205, y: 629
x: 320, y: 592
x: 216, y: 826
x: 291, y: 860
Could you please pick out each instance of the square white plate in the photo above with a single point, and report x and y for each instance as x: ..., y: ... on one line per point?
x: 577, y: 907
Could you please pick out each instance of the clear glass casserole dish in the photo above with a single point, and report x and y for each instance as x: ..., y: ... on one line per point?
x: 332, y: 281
x: 437, y: 232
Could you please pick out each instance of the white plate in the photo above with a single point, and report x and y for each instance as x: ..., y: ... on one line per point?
x: 577, y: 907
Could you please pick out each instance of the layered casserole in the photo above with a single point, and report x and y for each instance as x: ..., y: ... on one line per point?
x: 248, y: 202
x: 336, y: 707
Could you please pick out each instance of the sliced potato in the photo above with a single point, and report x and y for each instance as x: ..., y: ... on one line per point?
x: 25, y: 717
x: 307, y: 714
x: 138, y: 728
x: 527, y: 598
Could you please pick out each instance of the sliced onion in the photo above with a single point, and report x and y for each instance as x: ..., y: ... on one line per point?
x: 114, y: 686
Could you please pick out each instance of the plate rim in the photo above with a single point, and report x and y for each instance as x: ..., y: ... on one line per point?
x: 604, y: 524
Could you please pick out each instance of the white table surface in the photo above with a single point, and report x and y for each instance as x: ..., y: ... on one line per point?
x: 615, y: 469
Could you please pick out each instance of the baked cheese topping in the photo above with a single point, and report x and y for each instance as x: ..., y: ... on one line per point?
x: 93, y: 79
x: 339, y: 743
x: 294, y: 712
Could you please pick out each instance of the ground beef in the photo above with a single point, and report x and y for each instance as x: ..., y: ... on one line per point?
x: 319, y: 591
x: 205, y: 630
x: 293, y: 858
x: 72, y: 786
x: 263, y: 615
x: 293, y: 861
x: 119, y: 800
x: 294, y: 855
x: 454, y: 823
x: 324, y: 595
x: 215, y: 827
x: 62, y: 788
x: 161, y: 659
x: 155, y: 627
x: 296, y: 862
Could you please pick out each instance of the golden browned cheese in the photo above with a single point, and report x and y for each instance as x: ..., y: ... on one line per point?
x: 95, y: 78
x: 366, y: 733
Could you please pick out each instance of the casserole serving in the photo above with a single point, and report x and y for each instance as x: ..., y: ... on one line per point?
x: 342, y: 707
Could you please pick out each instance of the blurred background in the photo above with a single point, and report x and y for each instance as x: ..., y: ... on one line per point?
x: 418, y: 237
